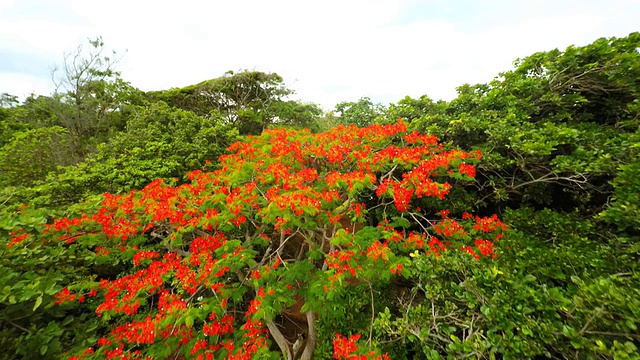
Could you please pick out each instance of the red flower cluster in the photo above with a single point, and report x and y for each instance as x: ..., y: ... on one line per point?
x: 17, y: 239
x: 347, y: 349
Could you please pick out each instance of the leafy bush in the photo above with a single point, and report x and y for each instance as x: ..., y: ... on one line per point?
x: 159, y: 142
x: 32, y: 154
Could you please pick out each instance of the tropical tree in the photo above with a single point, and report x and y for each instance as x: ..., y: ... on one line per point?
x: 268, y: 251
x: 95, y: 95
x: 360, y: 113
x: 248, y: 100
x: 296, y: 114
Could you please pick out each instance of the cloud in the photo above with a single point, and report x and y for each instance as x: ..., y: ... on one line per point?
x: 22, y: 84
x: 328, y: 51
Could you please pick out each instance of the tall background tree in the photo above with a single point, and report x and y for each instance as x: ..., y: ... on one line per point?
x: 251, y: 101
x: 360, y: 113
x: 95, y: 95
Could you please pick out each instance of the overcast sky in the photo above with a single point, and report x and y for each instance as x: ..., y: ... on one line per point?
x: 328, y: 51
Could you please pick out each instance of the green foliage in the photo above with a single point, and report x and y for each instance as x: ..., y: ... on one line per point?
x: 251, y: 101
x: 624, y: 209
x: 7, y: 124
x: 559, y: 137
x: 8, y: 100
x: 95, y: 99
x: 348, y: 312
x: 159, y: 142
x: 295, y: 114
x: 551, y: 130
x: 31, y: 327
x: 31, y: 155
x: 463, y: 309
x: 40, y: 111
x: 410, y: 109
x: 360, y: 113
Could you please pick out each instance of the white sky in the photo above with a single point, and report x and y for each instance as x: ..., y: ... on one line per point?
x: 328, y: 51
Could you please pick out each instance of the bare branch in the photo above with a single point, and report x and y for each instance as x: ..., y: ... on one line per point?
x: 283, y: 344
x: 307, y: 354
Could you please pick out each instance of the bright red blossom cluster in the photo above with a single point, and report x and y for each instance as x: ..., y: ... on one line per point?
x: 347, y: 349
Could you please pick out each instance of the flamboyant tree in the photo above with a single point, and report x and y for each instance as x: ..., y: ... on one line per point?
x: 247, y: 259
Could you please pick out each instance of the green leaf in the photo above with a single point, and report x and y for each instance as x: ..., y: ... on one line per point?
x: 38, y: 303
x: 189, y: 321
x: 67, y: 320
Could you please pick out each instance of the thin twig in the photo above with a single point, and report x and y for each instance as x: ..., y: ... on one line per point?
x: 373, y: 313
x: 19, y: 327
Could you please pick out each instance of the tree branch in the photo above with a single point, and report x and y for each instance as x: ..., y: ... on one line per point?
x: 283, y: 344
x: 307, y: 354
